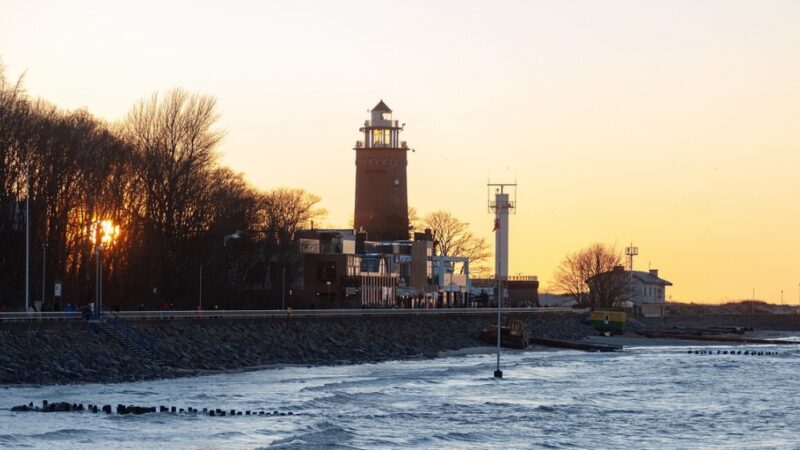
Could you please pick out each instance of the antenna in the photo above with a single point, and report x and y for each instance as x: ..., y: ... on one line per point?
x: 631, y: 252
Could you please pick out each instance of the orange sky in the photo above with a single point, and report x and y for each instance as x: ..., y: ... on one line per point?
x: 675, y: 125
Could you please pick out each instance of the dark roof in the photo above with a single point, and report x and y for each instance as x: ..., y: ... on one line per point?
x: 381, y: 107
x: 316, y: 233
x: 644, y: 277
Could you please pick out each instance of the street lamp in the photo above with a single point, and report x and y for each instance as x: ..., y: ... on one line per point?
x: 283, y: 287
x: 328, y: 283
x: 27, y: 234
x: 44, y: 270
x: 200, y: 291
x: 104, y: 233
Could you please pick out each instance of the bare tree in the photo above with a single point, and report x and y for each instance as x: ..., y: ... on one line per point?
x: 609, y: 289
x: 413, y: 219
x: 175, y: 141
x: 454, y: 238
x: 14, y: 113
x: 287, y: 210
x: 157, y: 176
x: 596, y: 262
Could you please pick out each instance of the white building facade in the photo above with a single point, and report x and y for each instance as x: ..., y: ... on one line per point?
x: 647, y: 287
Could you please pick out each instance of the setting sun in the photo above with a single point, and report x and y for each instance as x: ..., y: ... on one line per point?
x: 105, y: 232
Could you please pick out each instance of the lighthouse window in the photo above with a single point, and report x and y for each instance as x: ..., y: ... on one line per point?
x: 377, y: 137
x: 381, y: 138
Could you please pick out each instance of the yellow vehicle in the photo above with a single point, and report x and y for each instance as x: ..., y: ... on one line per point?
x: 608, y: 322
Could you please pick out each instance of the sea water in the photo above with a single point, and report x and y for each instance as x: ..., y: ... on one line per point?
x: 646, y: 397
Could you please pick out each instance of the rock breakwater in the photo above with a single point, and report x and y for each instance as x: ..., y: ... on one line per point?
x: 69, y: 352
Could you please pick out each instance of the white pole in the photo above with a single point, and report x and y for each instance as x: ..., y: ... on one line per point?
x: 501, y: 265
x: 501, y: 208
x: 501, y: 234
x: 27, y: 234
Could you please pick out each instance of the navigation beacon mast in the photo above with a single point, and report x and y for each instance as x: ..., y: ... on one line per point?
x: 504, y: 204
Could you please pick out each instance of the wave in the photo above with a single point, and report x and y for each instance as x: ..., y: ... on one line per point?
x: 227, y: 435
x: 324, y: 435
x: 203, y: 396
x: 460, y: 436
x: 62, y: 434
x: 10, y: 439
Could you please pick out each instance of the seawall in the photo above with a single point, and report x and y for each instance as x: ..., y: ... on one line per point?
x: 776, y: 322
x: 69, y: 352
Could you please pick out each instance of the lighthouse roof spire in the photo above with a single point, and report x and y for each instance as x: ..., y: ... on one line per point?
x: 381, y: 107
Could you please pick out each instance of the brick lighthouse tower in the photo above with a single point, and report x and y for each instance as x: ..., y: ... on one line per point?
x: 381, y: 192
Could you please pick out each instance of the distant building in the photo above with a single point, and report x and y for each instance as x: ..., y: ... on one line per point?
x: 636, y: 287
x: 522, y: 290
x: 341, y: 269
x: 381, y: 208
x: 376, y: 265
x: 557, y: 300
x: 648, y: 287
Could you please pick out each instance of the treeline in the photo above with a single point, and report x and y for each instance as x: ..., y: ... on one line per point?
x: 156, y: 175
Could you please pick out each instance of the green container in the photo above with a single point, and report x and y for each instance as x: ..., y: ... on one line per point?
x: 609, y: 321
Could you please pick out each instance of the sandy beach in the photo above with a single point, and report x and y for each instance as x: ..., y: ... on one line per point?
x: 635, y: 340
x: 632, y: 340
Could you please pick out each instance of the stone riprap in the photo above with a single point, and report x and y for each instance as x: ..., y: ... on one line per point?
x: 69, y: 352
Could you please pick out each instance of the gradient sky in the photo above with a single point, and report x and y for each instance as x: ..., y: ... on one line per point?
x: 674, y: 124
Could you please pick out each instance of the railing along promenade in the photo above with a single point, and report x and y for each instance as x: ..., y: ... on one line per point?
x: 275, y: 313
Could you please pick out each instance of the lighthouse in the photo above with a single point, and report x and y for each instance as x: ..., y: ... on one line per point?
x: 381, y: 192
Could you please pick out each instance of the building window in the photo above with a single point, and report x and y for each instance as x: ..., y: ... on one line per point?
x: 326, y: 271
x: 353, y: 266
